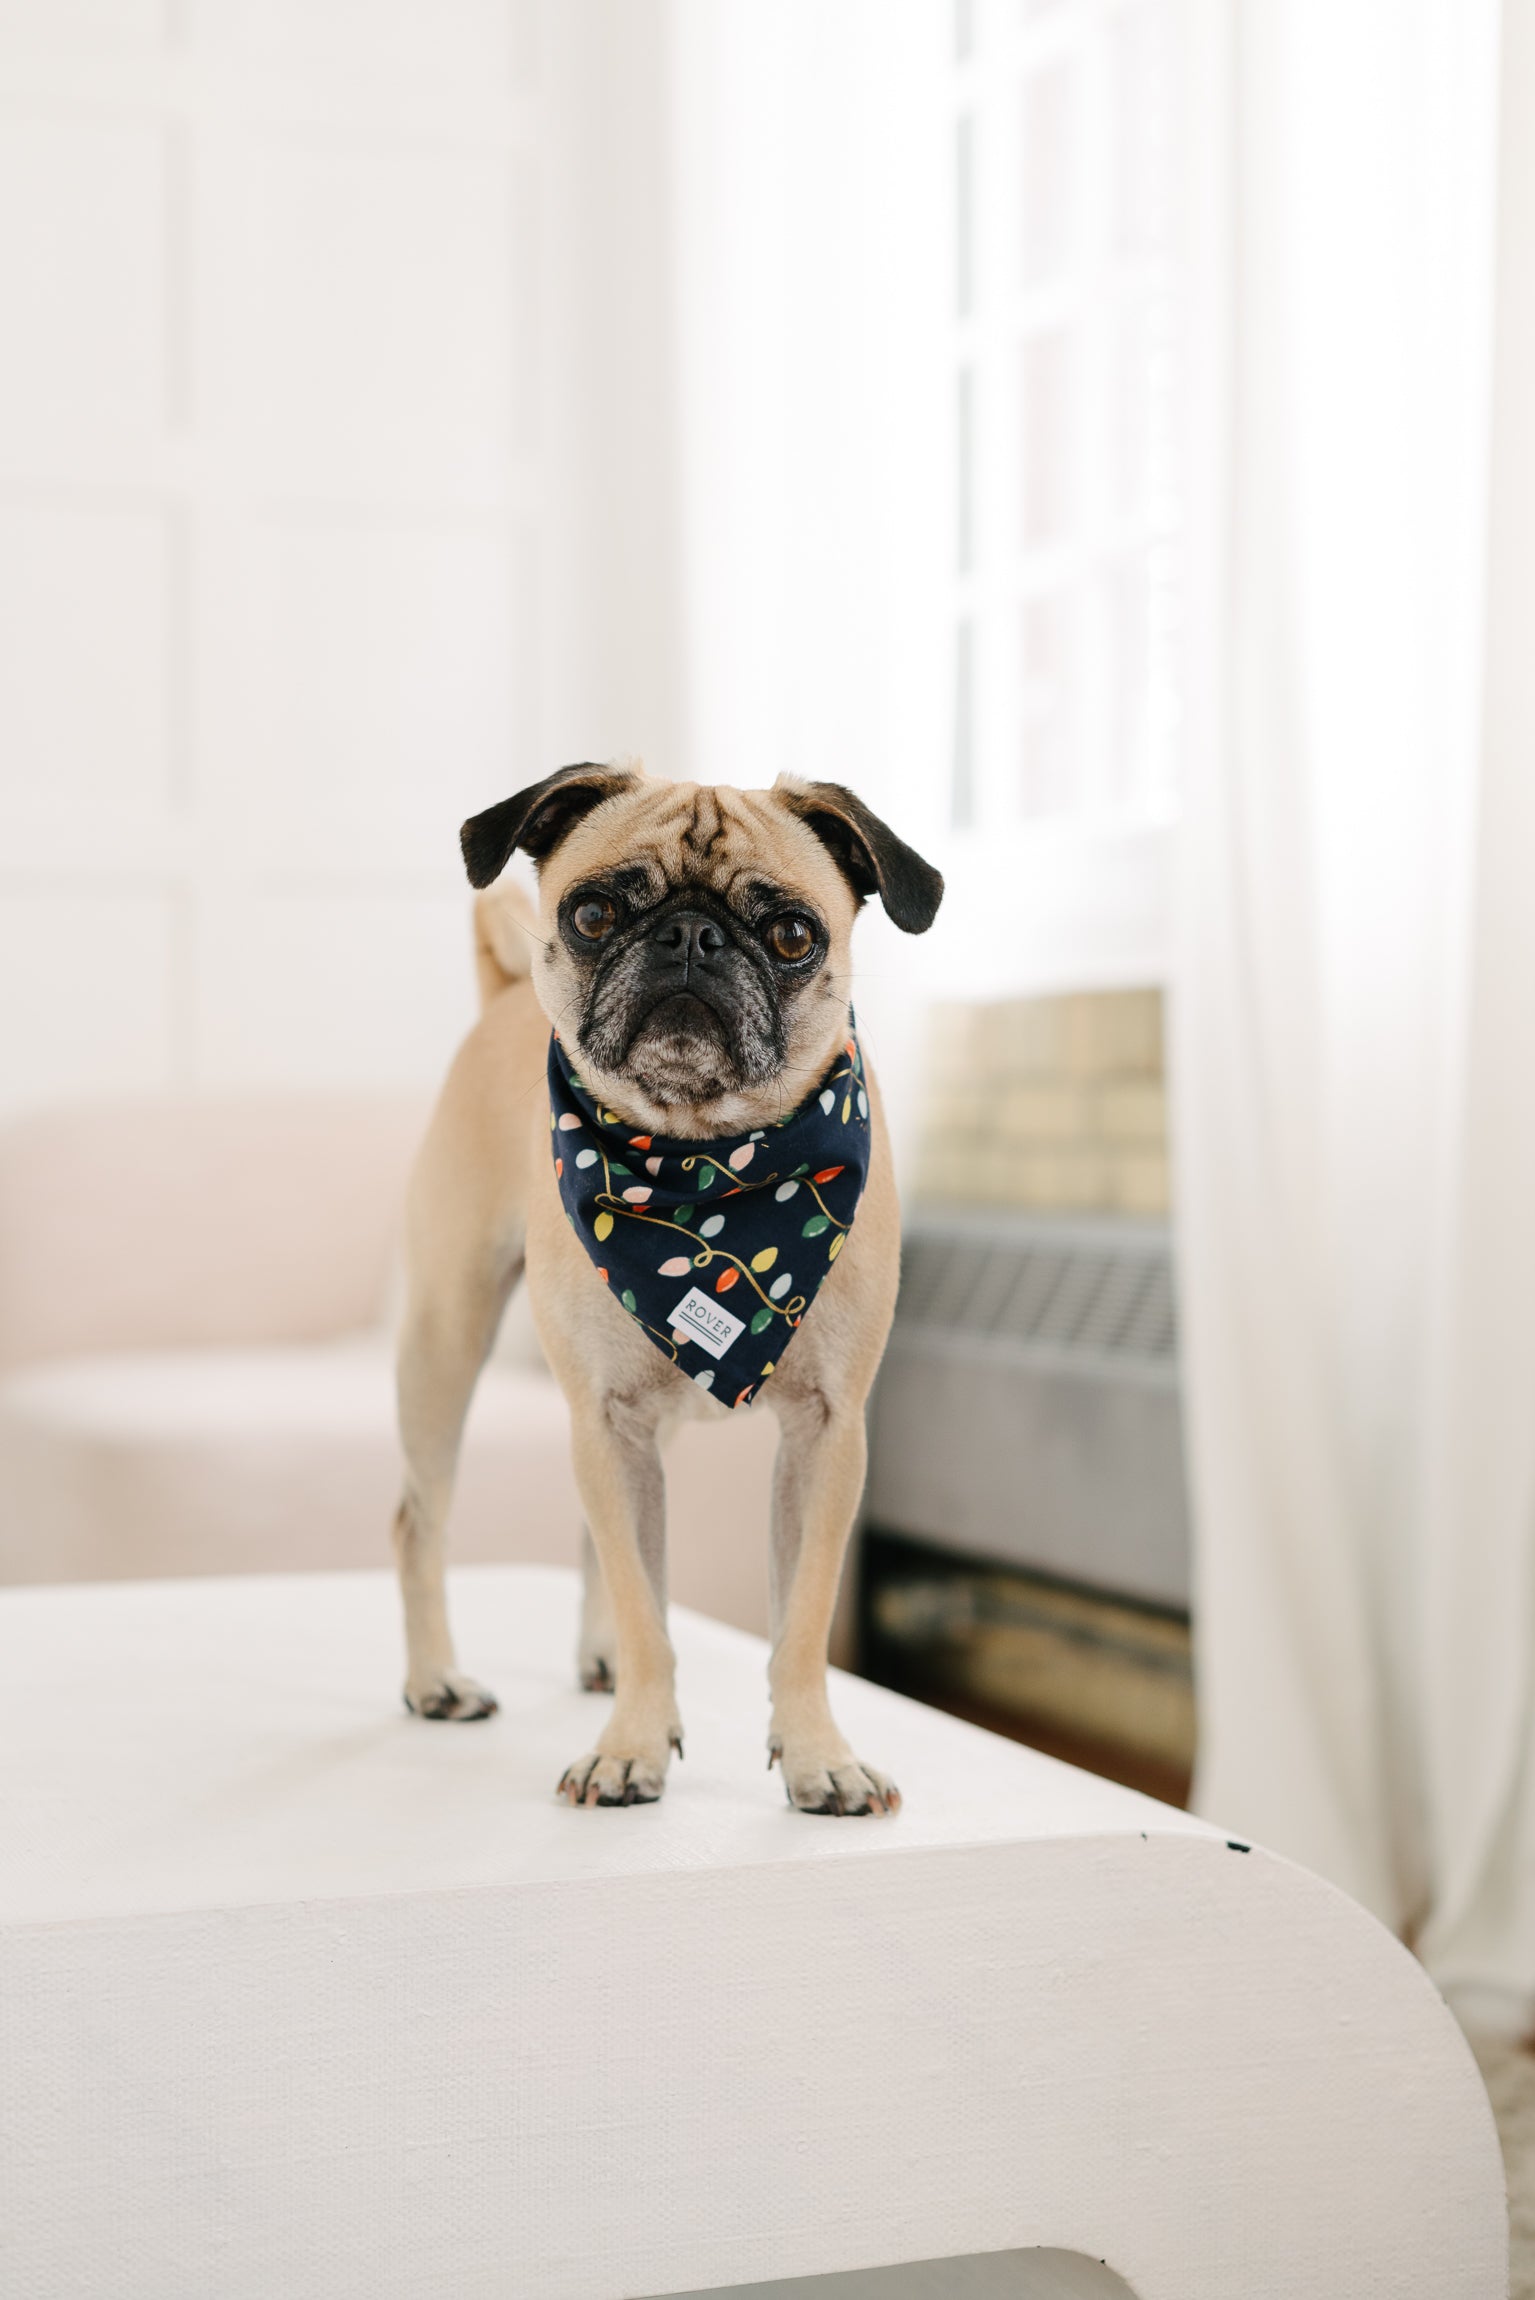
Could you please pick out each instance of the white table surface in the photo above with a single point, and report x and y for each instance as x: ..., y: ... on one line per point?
x: 304, y: 1997
x: 238, y: 1741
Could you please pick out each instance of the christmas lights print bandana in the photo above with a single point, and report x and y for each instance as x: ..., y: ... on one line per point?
x: 716, y: 1248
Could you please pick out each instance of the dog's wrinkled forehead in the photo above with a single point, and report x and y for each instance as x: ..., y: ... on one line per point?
x: 587, y: 817
x: 660, y: 839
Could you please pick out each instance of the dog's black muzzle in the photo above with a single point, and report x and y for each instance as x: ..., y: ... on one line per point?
x: 689, y: 970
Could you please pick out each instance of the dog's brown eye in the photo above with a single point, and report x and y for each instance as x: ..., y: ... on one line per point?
x: 595, y: 917
x: 791, y: 938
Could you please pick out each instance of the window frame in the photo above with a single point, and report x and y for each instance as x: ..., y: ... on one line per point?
x: 1086, y: 898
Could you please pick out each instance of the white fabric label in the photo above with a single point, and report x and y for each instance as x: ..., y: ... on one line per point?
x: 706, y: 1322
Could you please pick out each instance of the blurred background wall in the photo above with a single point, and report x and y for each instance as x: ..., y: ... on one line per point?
x: 401, y: 400
x: 1054, y: 1103
x: 347, y: 353
x: 310, y: 428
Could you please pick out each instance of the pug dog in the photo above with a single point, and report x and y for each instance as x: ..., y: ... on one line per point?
x: 690, y: 955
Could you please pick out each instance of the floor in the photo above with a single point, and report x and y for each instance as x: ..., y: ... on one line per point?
x: 983, y: 2276
x: 1509, y: 2073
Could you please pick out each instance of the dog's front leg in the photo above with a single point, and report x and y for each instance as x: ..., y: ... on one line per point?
x: 822, y: 1456
x: 618, y: 1469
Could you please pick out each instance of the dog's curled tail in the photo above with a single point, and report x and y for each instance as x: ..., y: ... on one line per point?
x: 505, y: 930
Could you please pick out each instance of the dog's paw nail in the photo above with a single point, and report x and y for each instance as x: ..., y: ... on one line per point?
x: 774, y: 1753
x: 455, y: 1700
x: 843, y: 1788
x: 606, y: 1779
x: 596, y: 1676
x: 677, y: 1745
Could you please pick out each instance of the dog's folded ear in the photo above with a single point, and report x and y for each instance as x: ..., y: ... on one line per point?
x: 866, y: 851
x: 538, y: 818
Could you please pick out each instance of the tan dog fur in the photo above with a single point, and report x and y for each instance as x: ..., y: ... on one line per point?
x: 484, y: 1206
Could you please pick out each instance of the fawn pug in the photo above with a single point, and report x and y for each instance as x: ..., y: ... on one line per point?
x: 663, y: 1120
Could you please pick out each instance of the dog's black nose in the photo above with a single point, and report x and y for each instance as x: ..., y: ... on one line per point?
x: 688, y: 935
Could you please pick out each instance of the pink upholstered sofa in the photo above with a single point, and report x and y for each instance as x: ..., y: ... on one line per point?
x: 196, y: 1363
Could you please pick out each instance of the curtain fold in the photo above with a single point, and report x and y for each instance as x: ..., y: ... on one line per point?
x: 1354, y: 1024
x: 1479, y: 1598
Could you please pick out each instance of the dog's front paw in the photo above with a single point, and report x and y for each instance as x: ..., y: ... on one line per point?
x: 832, y: 1780
x: 620, y: 1776
x: 452, y: 1697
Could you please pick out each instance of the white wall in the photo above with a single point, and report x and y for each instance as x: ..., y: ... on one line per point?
x: 282, y: 520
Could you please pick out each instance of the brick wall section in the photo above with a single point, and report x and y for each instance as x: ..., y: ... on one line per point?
x: 1052, y: 1103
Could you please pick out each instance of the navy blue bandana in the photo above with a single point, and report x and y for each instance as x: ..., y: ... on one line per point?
x: 716, y: 1248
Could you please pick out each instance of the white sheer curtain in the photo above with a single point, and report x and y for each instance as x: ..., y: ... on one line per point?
x: 1354, y: 1031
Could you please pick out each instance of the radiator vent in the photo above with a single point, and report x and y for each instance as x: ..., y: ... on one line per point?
x: 1073, y: 1292
x: 1028, y: 1406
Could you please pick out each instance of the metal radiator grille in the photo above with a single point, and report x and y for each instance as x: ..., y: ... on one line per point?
x: 1028, y: 1407
x: 1070, y: 1287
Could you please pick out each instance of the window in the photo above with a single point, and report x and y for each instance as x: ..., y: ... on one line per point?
x: 1071, y: 529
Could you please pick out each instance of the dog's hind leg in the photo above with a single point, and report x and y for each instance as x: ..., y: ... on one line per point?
x: 599, y: 1640
x: 447, y: 1334
x: 465, y: 1228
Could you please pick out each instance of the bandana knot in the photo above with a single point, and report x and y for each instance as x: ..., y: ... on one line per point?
x: 716, y: 1248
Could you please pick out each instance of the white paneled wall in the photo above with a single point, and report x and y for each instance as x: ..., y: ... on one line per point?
x: 272, y: 514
